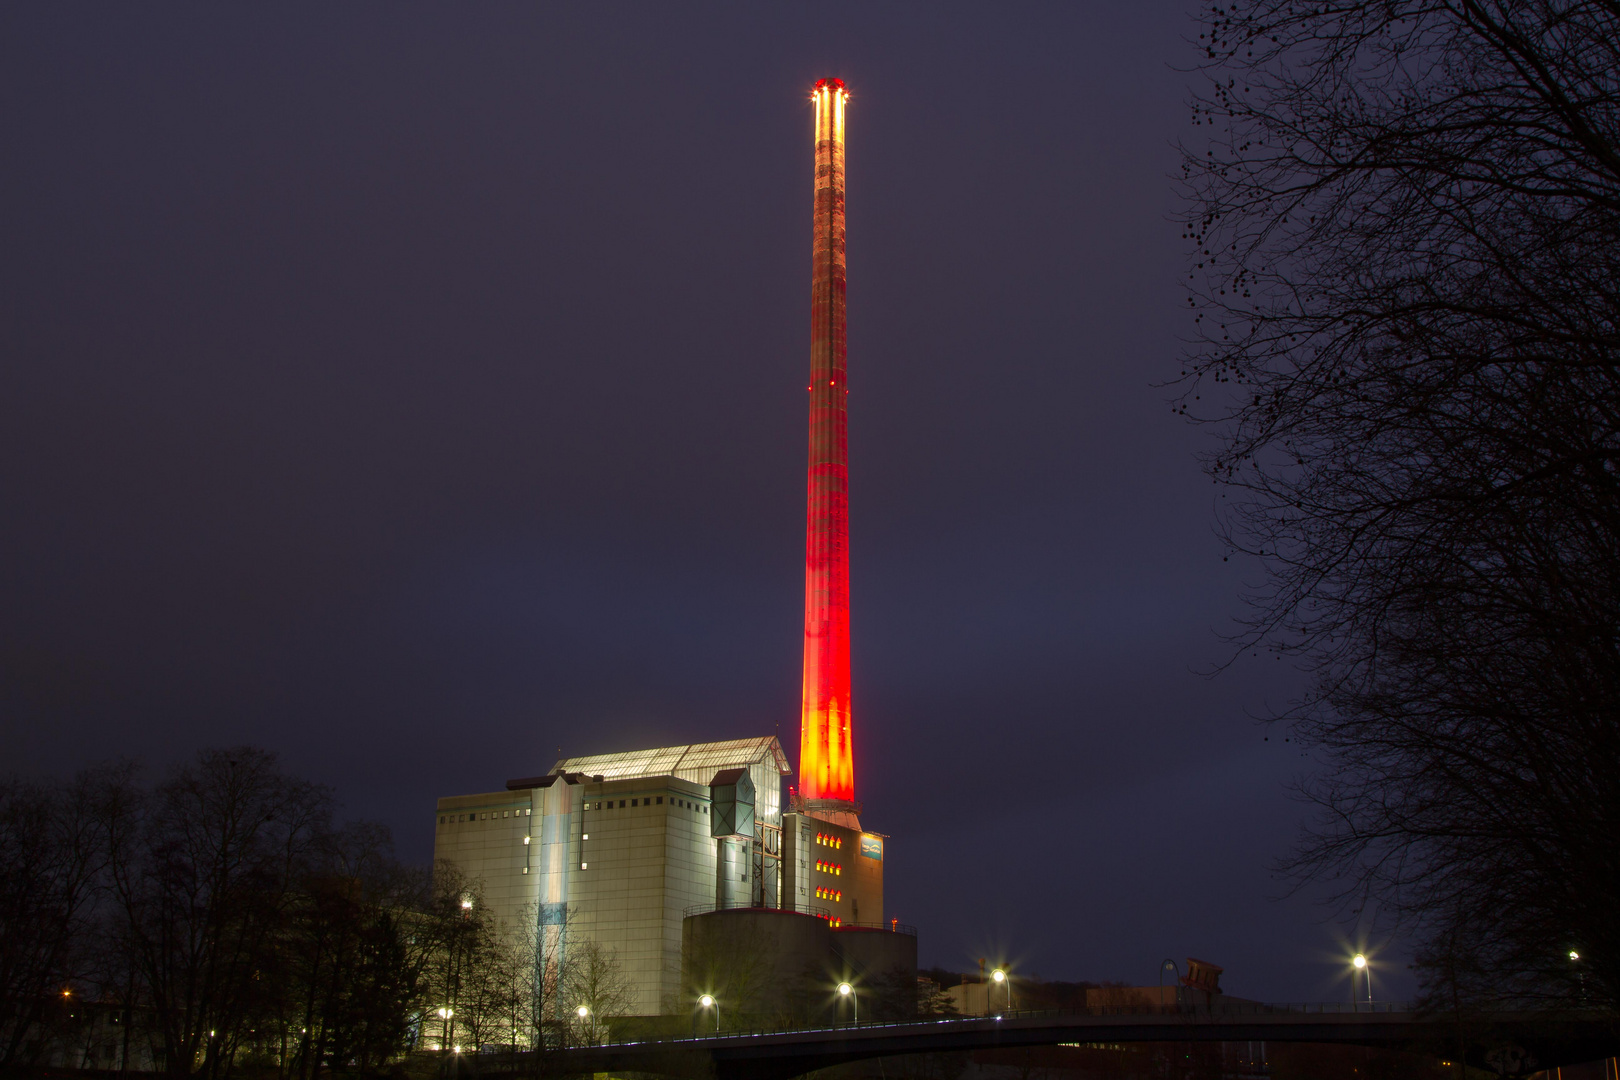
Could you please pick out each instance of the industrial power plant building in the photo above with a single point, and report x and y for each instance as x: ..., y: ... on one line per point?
x: 685, y: 861
x: 631, y: 850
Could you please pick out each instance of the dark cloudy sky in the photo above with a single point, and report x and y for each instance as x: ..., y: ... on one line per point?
x: 418, y: 390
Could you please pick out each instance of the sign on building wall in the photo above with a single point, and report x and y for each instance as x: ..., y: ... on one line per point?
x: 872, y: 846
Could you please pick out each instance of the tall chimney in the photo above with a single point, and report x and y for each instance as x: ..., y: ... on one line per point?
x: 826, y: 755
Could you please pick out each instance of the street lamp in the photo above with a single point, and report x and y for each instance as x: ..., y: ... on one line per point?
x: 1360, y: 963
x: 707, y: 1002
x: 583, y: 1012
x: 846, y: 990
x: 1001, y: 977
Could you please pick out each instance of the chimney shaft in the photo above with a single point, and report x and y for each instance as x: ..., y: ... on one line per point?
x: 826, y: 757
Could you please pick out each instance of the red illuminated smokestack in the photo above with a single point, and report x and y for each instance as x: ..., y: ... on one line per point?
x: 826, y: 756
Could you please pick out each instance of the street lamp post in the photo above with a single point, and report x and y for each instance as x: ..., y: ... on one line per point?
x: 1360, y: 963
x: 584, y: 1012
x: 846, y: 990
x: 1000, y: 976
x: 707, y: 1001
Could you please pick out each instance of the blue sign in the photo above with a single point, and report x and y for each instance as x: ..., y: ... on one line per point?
x: 872, y: 846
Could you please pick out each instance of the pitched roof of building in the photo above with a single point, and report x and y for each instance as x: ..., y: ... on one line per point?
x: 697, y: 762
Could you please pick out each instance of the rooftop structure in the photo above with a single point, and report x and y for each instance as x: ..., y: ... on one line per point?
x: 697, y: 762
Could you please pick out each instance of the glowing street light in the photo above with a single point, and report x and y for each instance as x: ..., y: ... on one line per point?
x: 707, y: 1002
x: 1000, y: 976
x: 1359, y: 962
x: 846, y: 990
x: 584, y: 1012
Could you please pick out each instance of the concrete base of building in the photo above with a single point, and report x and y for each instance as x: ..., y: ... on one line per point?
x: 768, y: 968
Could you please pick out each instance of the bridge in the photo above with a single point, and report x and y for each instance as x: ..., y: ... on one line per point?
x: 1507, y: 1043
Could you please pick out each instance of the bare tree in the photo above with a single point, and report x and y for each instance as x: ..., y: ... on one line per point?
x: 351, y: 971
x: 204, y: 872
x: 541, y: 951
x: 594, y: 980
x: 52, y: 851
x: 1406, y: 230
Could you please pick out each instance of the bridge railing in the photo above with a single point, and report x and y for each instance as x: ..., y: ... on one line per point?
x: 1222, y: 1010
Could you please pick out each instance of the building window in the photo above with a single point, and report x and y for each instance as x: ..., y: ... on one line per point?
x: 441, y: 819
x: 660, y: 800
x: 584, y: 866
x: 621, y: 804
x: 632, y: 802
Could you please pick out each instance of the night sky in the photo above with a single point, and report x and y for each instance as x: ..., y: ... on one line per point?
x: 418, y: 391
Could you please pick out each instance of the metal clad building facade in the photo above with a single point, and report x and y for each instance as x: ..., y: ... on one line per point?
x: 617, y: 848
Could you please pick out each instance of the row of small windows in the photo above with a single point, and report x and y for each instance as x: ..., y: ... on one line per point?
x: 605, y: 804
x: 829, y: 868
x: 451, y: 819
x: 829, y: 894
x: 657, y: 800
x: 829, y: 840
